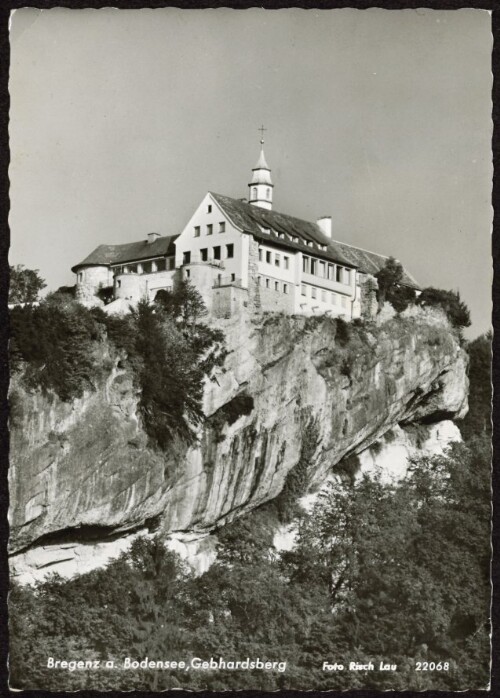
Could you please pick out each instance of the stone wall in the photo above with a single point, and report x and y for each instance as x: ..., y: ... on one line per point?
x: 254, y: 302
x: 368, y: 286
x: 228, y: 301
x: 277, y: 301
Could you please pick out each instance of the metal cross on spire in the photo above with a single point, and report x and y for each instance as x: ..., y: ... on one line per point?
x: 262, y: 129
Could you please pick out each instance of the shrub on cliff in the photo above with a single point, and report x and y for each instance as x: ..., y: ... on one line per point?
x: 449, y: 301
x: 391, y: 289
x: 56, y: 344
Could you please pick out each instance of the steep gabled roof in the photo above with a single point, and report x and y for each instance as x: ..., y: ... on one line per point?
x: 371, y: 262
x: 251, y: 219
x: 105, y: 255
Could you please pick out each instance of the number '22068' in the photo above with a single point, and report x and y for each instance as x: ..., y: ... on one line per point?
x: 432, y: 666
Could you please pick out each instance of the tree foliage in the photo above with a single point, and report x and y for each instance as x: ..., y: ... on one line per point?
x: 379, y: 573
x: 478, y: 419
x: 450, y: 302
x: 391, y: 288
x: 25, y: 284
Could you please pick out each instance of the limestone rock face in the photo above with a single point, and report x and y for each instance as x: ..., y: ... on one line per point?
x: 84, y: 472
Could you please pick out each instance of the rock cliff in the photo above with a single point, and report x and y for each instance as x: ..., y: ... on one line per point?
x: 82, y: 473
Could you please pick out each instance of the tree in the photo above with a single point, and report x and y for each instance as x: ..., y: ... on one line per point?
x: 390, y: 287
x: 183, y: 303
x: 478, y: 419
x: 25, y: 284
x: 449, y: 301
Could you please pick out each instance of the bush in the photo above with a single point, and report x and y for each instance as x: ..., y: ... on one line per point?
x: 390, y: 287
x: 455, y: 309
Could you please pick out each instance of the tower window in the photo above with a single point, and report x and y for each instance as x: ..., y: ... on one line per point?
x: 197, y: 231
x: 204, y: 254
x: 229, y: 251
x: 222, y: 227
x: 186, y: 258
x: 210, y: 229
x: 216, y: 252
x: 268, y: 257
x: 80, y: 277
x: 188, y: 273
x: 119, y: 283
x: 268, y: 193
x: 254, y: 193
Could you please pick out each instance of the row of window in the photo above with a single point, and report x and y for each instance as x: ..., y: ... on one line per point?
x: 215, y: 255
x: 326, y: 270
x: 273, y: 284
x: 275, y: 257
x: 163, y: 264
x: 324, y: 296
x: 209, y: 229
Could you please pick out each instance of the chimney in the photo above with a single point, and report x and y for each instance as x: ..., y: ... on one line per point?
x: 152, y: 237
x: 325, y: 223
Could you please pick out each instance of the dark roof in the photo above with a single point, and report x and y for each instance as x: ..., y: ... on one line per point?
x: 105, y: 255
x: 251, y: 218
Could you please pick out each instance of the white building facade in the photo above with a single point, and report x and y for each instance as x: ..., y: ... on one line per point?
x: 240, y: 254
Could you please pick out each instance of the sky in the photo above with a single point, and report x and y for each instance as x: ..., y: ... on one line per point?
x: 121, y: 121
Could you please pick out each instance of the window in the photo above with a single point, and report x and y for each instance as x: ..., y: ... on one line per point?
x: 286, y: 262
x: 197, y: 231
x: 347, y: 276
x: 171, y: 263
x: 276, y: 260
x: 119, y: 283
x: 146, y: 268
x: 133, y: 269
x: 285, y: 288
x: 125, y: 270
x: 330, y: 272
x: 322, y: 268
x: 303, y: 290
x: 80, y: 277
x: 222, y: 227
x: 219, y: 279
x: 254, y: 193
x: 204, y: 254
x: 188, y: 273
x: 313, y: 292
x: 276, y: 286
x: 209, y: 208
x: 230, y: 251
x: 343, y: 300
x: 216, y: 252
x: 338, y: 274
x: 314, y: 266
x: 260, y: 254
x: 268, y: 257
x: 323, y: 296
x: 268, y: 283
x: 233, y: 277
x: 334, y: 299
x: 305, y: 264
x: 161, y: 264
x: 186, y: 258
x: 268, y: 193
x: 210, y: 229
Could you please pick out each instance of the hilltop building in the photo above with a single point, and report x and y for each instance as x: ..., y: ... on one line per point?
x: 241, y: 253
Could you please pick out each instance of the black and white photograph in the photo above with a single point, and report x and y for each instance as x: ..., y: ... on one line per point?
x: 250, y: 349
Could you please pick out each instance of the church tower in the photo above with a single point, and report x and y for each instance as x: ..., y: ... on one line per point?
x: 261, y: 187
